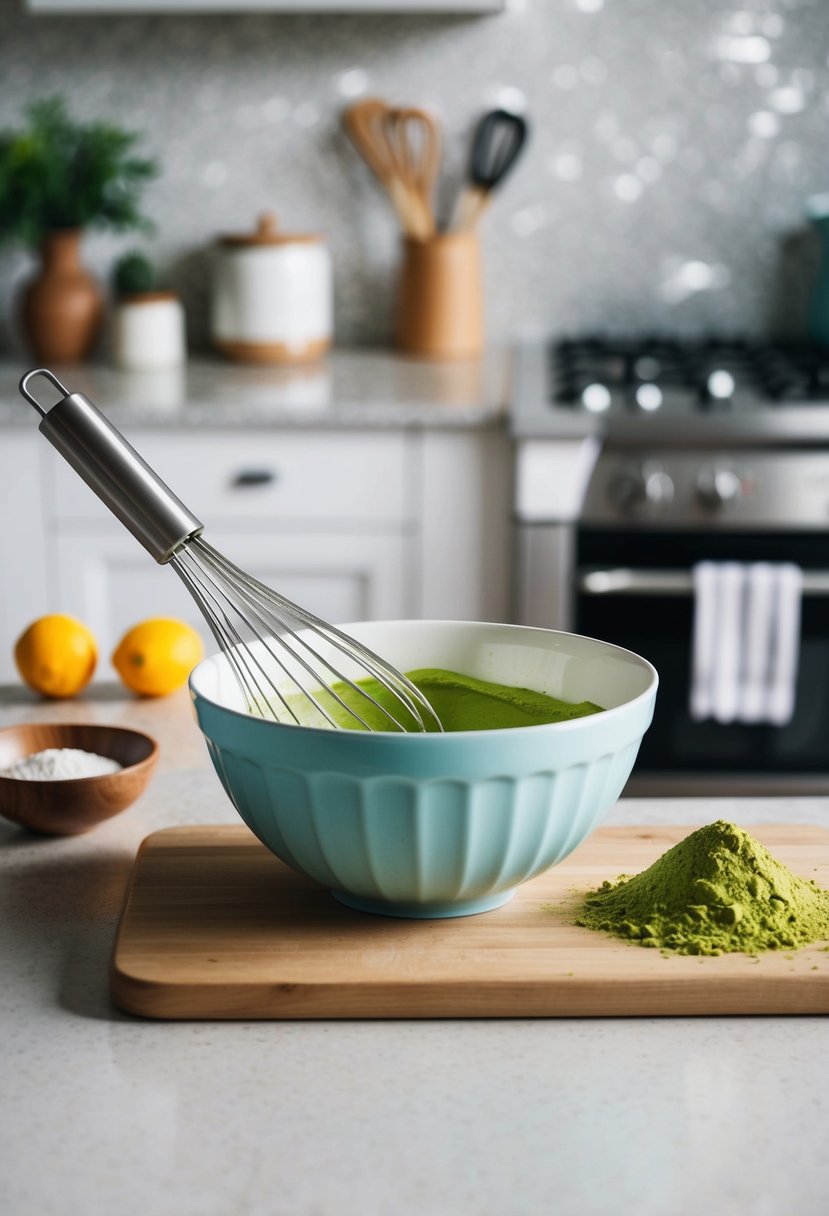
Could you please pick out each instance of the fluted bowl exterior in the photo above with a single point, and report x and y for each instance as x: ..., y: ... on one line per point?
x: 431, y: 825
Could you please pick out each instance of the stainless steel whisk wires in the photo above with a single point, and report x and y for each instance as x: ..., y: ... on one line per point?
x: 266, y: 639
x: 233, y: 602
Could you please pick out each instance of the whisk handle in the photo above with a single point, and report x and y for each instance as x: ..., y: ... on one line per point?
x: 112, y: 468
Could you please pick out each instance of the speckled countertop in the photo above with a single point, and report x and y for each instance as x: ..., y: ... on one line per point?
x: 350, y: 388
x: 103, y: 1113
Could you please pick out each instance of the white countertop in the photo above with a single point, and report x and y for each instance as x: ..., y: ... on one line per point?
x: 103, y: 1113
x: 349, y: 388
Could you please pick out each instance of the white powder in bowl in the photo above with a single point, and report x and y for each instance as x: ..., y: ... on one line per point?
x: 60, y: 764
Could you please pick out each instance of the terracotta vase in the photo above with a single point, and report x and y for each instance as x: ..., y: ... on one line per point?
x: 63, y: 306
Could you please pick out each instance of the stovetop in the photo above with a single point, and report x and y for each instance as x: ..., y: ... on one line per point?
x: 646, y: 374
x: 655, y: 389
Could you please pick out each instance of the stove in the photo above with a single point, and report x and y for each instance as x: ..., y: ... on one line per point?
x: 658, y: 389
x: 716, y: 433
x: 639, y: 458
x: 598, y: 374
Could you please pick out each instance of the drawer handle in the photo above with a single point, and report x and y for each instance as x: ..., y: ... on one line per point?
x: 248, y: 478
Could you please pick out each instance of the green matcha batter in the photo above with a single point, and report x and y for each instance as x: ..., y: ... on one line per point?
x: 461, y: 703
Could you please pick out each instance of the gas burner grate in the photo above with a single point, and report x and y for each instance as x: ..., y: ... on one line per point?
x: 795, y: 372
x: 597, y: 373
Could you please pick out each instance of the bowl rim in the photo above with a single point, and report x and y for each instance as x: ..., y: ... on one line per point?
x: 572, y: 724
x: 126, y: 769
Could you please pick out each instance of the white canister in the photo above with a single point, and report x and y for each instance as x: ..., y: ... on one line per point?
x: 148, y: 331
x: 272, y: 296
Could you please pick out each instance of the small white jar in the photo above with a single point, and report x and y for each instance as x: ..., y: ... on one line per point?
x: 272, y: 296
x: 148, y: 332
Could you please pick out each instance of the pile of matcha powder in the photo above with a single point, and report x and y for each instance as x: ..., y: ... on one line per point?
x: 717, y: 891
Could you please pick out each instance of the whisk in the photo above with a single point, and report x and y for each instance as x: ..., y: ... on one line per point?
x: 272, y: 646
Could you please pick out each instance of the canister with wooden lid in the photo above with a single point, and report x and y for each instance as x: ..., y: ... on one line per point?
x: 272, y: 295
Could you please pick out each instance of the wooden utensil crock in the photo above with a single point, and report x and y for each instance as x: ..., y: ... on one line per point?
x: 441, y: 298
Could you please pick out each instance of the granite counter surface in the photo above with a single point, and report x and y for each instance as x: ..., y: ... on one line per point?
x: 103, y: 1113
x: 350, y: 388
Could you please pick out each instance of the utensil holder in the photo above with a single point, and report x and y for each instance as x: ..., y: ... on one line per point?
x: 440, y: 308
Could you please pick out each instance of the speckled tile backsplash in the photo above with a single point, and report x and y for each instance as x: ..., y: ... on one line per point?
x: 674, y: 143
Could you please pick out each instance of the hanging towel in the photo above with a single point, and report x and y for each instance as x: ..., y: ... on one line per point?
x: 786, y: 652
x: 746, y: 641
x: 760, y: 611
x: 704, y: 640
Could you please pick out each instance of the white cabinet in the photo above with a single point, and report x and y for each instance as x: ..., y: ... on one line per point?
x: 353, y: 525
x: 325, y: 518
x: 25, y: 581
x: 259, y: 479
x: 110, y: 582
x: 464, y: 535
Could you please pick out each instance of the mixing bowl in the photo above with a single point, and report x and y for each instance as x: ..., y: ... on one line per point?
x: 436, y: 825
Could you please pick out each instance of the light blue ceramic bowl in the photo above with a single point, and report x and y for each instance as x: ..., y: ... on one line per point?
x: 436, y: 825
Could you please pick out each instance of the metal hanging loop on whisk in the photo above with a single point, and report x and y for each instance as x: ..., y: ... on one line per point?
x: 275, y: 649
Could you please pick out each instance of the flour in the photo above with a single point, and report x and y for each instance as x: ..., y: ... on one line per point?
x: 60, y: 764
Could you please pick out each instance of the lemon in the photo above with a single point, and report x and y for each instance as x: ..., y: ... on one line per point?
x: 56, y: 655
x: 156, y: 656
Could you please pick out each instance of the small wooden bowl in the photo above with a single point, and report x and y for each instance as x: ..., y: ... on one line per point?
x: 66, y: 808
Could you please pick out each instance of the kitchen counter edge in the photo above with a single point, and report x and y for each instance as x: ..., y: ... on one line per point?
x: 348, y: 389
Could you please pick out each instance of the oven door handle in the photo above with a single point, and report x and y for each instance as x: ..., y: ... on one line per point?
x: 625, y: 580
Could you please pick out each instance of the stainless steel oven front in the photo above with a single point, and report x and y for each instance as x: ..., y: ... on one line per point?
x: 645, y: 523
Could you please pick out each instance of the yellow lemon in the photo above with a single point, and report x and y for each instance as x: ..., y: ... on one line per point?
x: 56, y: 655
x: 156, y: 656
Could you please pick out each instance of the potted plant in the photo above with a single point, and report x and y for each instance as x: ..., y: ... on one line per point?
x: 58, y: 177
x: 148, y: 325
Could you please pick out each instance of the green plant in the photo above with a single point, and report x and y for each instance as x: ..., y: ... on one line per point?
x: 58, y: 173
x: 134, y: 273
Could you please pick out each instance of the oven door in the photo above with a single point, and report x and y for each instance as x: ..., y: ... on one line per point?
x: 636, y: 591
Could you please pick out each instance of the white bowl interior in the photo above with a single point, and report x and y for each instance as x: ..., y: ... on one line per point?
x: 563, y: 665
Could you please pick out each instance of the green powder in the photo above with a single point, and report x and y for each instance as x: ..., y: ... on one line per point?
x: 716, y: 892
x: 461, y: 702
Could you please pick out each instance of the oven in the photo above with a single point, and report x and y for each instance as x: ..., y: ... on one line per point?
x: 636, y: 546
x: 727, y: 461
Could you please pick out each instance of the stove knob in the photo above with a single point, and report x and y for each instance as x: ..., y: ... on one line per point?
x: 659, y: 488
x: 718, y: 487
x: 641, y: 487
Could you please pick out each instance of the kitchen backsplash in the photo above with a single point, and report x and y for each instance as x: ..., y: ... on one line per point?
x: 673, y: 147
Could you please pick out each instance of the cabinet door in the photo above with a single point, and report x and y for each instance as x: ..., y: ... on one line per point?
x: 107, y: 580
x: 24, y: 590
x: 466, y: 485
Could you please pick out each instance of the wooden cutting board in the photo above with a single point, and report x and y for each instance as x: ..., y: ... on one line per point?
x: 214, y: 926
